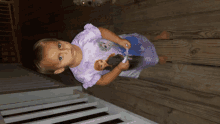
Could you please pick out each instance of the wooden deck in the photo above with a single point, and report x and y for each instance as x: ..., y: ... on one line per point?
x: 186, y: 90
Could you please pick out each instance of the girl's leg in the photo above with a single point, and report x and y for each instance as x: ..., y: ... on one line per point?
x: 164, y: 35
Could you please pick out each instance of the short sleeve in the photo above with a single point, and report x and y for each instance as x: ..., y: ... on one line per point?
x: 89, y: 33
x: 93, y: 29
x: 88, y: 80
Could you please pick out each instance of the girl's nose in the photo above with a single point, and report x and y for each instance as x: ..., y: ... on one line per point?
x: 65, y: 51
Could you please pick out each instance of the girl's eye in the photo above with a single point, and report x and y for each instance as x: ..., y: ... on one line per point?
x: 59, y: 45
x: 60, y: 58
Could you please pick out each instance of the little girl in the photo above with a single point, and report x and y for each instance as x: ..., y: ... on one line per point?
x: 54, y: 56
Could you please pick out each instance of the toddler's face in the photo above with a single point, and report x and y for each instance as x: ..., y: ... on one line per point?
x: 58, y: 54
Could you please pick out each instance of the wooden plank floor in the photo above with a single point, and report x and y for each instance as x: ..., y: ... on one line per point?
x: 186, y: 90
x: 160, y: 108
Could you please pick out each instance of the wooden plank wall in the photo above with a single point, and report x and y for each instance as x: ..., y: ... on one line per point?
x: 186, y: 90
x: 8, y: 45
x: 15, y: 78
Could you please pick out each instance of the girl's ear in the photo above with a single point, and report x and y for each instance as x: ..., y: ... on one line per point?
x: 58, y: 71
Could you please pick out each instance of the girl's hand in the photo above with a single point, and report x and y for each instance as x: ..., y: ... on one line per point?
x: 123, y: 43
x: 123, y: 66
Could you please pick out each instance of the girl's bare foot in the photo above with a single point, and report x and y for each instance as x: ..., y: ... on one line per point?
x: 164, y: 35
x: 162, y: 60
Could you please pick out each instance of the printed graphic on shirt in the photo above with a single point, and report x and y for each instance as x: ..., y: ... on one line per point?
x: 105, y: 46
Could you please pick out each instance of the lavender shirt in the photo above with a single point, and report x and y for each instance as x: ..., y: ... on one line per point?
x: 94, y: 48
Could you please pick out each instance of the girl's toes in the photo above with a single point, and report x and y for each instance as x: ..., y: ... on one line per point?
x: 162, y: 59
x: 164, y: 35
x: 165, y: 57
x: 162, y: 62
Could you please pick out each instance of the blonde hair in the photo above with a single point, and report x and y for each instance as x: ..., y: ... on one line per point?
x: 38, y: 55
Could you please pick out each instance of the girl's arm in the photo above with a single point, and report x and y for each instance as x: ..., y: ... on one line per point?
x: 109, y: 77
x: 109, y: 35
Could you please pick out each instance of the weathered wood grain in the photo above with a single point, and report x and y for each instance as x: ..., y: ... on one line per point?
x: 165, y: 9
x: 69, y: 19
x: 109, y: 27
x: 102, y: 20
x: 129, y: 5
x: 197, y: 21
x: 185, y: 118
x: 66, y: 35
x: 139, y: 99
x: 199, y: 78
x: 193, y: 91
x: 123, y: 2
x: 201, y: 51
x: 194, y: 34
x: 197, y: 103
